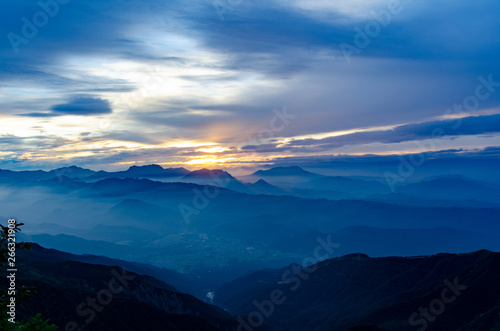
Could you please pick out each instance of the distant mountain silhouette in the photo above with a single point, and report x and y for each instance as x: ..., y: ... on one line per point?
x: 10, y: 176
x: 147, y: 171
x: 263, y: 187
x: 285, y: 177
x: 286, y: 171
x: 207, y: 174
x: 216, y: 177
x: 357, y: 187
x: 452, y: 188
x: 72, y: 172
x: 421, y: 201
x: 38, y: 175
x: 264, y: 228
x: 295, y: 181
x: 134, y: 212
x: 125, y: 186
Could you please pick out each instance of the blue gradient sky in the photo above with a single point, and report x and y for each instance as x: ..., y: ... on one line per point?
x: 107, y: 84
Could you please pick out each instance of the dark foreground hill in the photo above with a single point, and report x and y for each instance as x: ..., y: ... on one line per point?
x: 82, y: 296
x: 445, y: 292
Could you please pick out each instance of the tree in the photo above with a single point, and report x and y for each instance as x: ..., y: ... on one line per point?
x: 23, y: 293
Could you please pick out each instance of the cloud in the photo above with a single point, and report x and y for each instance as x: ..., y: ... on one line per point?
x: 472, y: 125
x: 446, y: 158
x: 79, y: 106
x: 84, y: 106
x: 41, y: 143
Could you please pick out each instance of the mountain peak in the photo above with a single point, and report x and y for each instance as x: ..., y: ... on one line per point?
x: 72, y: 171
x: 68, y: 167
x: 285, y: 171
x: 148, y: 167
x: 145, y: 171
x: 72, y: 167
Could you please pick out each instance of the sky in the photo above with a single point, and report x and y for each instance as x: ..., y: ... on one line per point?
x: 237, y: 83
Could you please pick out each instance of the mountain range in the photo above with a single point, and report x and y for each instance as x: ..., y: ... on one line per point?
x: 201, y: 232
x: 446, y: 292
